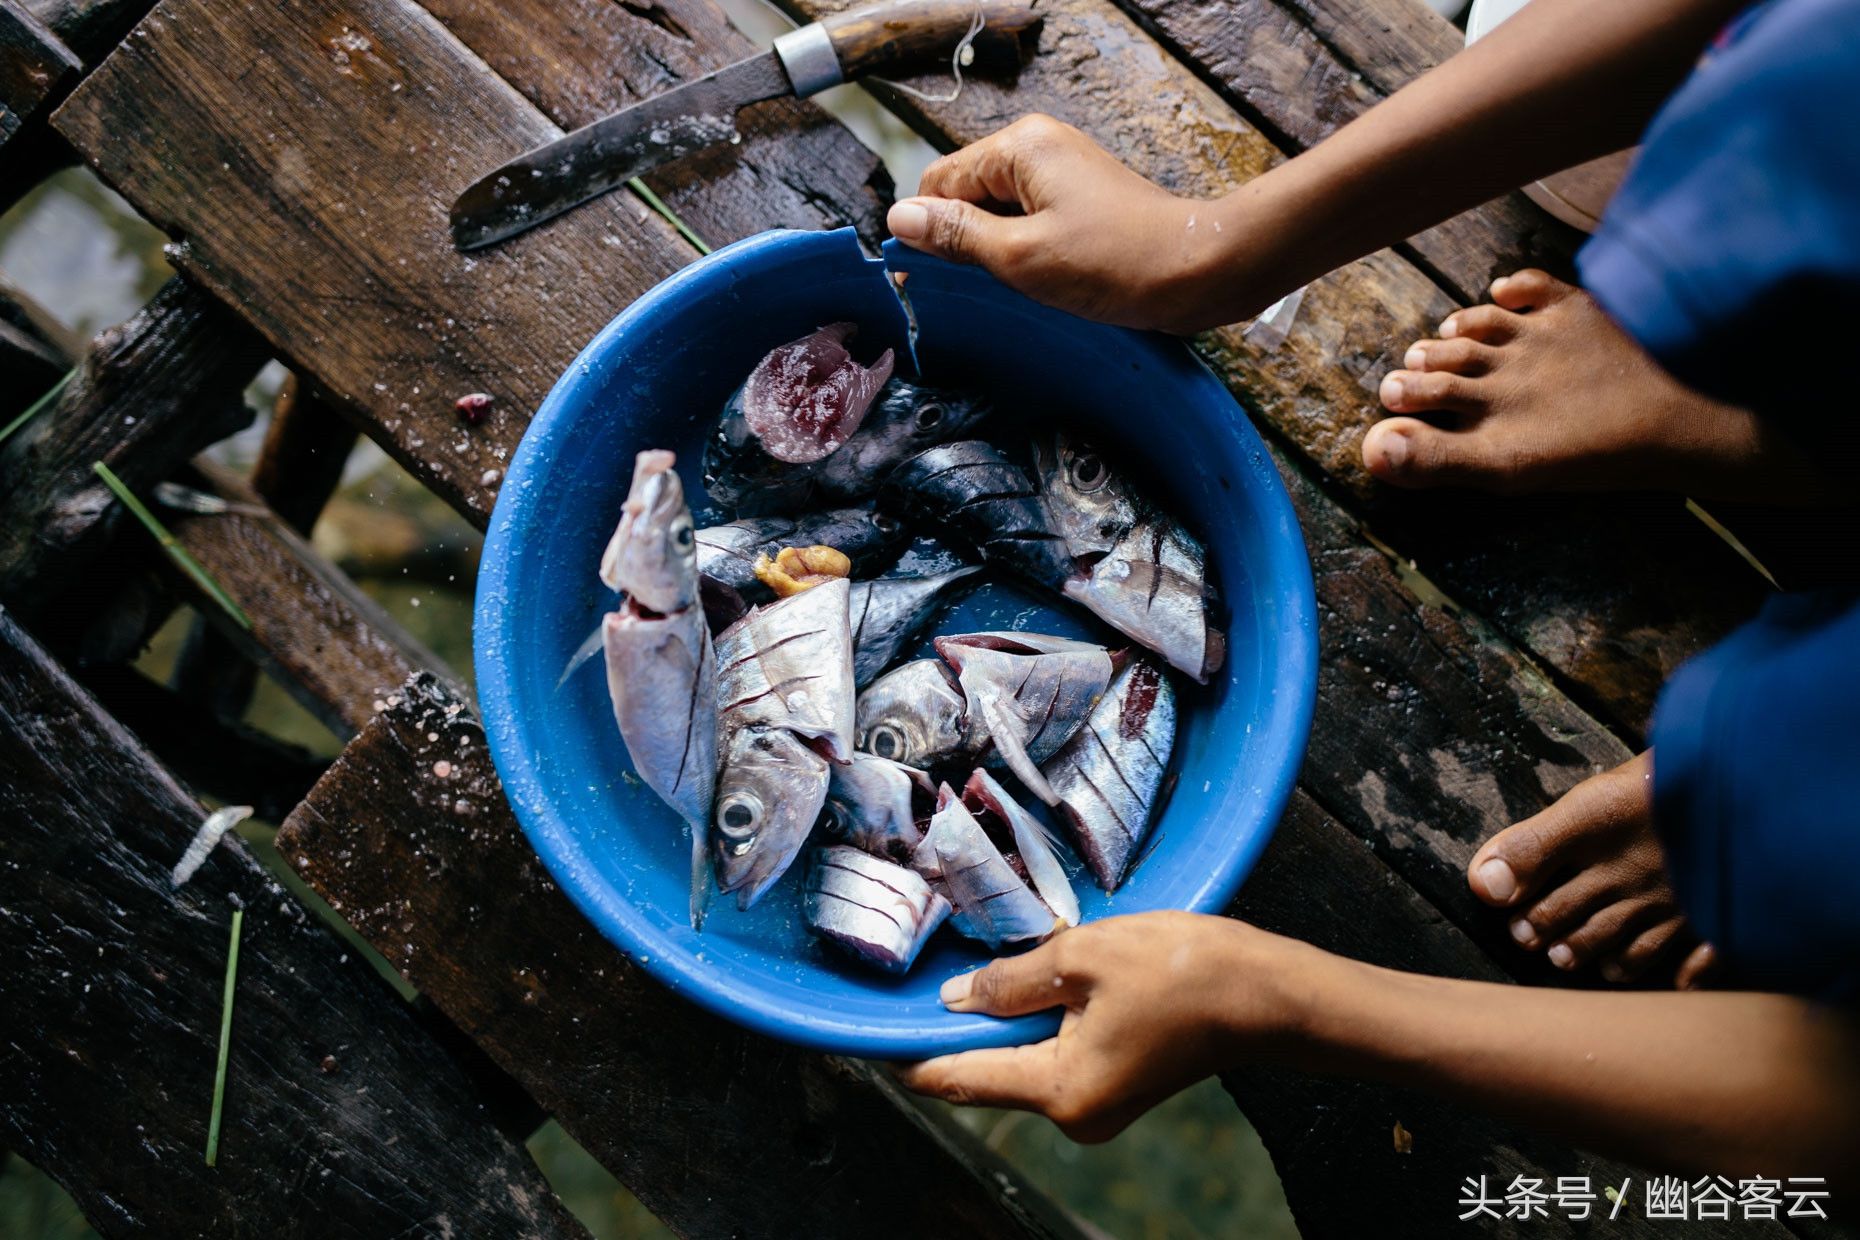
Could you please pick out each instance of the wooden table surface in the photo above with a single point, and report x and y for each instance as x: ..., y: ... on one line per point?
x: 1478, y: 657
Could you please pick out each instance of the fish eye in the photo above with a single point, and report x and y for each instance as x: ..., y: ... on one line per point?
x: 737, y: 818
x: 885, y: 523
x: 887, y: 742
x: 1087, y: 471
x: 683, y: 536
x: 929, y: 416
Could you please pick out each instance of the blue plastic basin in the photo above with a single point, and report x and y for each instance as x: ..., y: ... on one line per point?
x: 657, y: 376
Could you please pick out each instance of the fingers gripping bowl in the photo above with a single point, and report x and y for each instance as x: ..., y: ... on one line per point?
x: 655, y: 378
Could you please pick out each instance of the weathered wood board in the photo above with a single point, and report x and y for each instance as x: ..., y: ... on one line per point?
x: 341, y: 1116
x: 1609, y: 594
x: 307, y: 156
x: 718, y: 1131
x: 34, y: 66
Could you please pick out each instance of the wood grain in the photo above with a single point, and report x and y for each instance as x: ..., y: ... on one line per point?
x: 718, y: 1131
x: 35, y: 66
x: 341, y: 1116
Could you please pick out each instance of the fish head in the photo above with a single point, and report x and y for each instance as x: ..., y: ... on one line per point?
x: 653, y: 553
x: 915, y: 715
x: 910, y: 417
x: 770, y: 790
x: 1092, y: 508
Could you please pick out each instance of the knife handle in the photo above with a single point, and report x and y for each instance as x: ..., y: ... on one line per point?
x: 903, y: 35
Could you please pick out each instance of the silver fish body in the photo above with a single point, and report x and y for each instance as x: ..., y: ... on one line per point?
x: 973, y: 491
x: 872, y: 805
x: 727, y: 553
x: 1030, y: 692
x: 992, y: 902
x: 1131, y: 564
x: 1110, y: 776
x: 879, y: 911
x: 889, y: 614
x: 771, y: 788
x: 790, y: 665
x: 904, y: 420
x: 1033, y: 843
x: 916, y: 714
x: 661, y: 666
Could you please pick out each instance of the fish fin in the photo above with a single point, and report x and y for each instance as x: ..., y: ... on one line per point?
x: 702, y: 888
x: 582, y: 654
x: 1006, y: 732
x: 1033, y: 840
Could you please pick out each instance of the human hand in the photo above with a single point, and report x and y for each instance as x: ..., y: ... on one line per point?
x: 1049, y: 212
x: 1153, y: 1003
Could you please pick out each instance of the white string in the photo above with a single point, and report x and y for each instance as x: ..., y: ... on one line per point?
x: 963, y: 55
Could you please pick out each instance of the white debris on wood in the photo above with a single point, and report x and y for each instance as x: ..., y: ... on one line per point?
x: 218, y: 823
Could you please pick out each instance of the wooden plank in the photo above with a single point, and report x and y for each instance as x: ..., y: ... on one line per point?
x: 1265, y: 59
x: 578, y: 60
x: 718, y: 1131
x: 1332, y: 1139
x: 35, y: 66
x: 255, y: 133
x: 1611, y: 594
x: 89, y: 27
x: 330, y: 645
x: 299, y: 467
x: 151, y: 392
x: 341, y: 1116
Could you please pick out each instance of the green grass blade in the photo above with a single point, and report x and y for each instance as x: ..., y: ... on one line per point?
x: 37, y: 407
x: 671, y: 217
x: 169, y: 543
x: 226, y: 1011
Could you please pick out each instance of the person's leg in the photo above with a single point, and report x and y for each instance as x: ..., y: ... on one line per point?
x: 1585, y: 881
x: 1541, y: 391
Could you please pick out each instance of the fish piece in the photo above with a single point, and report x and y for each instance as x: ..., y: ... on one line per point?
x: 727, y: 553
x: 1109, y: 776
x: 992, y: 902
x: 661, y: 667
x: 1030, y: 692
x: 795, y: 569
x: 879, y: 911
x: 770, y: 791
x: 1132, y: 564
x: 917, y: 714
x: 807, y: 397
x: 872, y: 804
x: 790, y: 665
x: 975, y: 493
x: 1033, y: 842
x: 889, y: 614
x: 905, y: 419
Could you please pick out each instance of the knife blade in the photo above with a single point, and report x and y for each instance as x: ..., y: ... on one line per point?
x: 568, y: 171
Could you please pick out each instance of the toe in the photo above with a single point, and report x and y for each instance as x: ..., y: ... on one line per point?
x: 1529, y: 289
x: 1408, y: 452
x: 1567, y: 906
x: 1604, y: 933
x: 1509, y: 867
x: 1458, y: 356
x: 1696, y: 969
x: 1491, y: 324
x: 1415, y: 391
x: 1647, y: 948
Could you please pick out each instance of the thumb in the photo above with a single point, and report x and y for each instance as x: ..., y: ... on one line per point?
x: 952, y: 229
x: 1015, y: 985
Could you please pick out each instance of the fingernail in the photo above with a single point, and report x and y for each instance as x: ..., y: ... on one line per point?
x: 1395, y: 452
x: 908, y: 221
x: 1498, y: 880
x: 1448, y: 328
x: 1523, y: 932
x: 1562, y: 957
x: 956, y: 989
x: 1391, y: 391
x: 1415, y: 358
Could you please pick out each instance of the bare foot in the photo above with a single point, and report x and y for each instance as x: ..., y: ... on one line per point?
x: 1588, y: 882
x: 1541, y: 391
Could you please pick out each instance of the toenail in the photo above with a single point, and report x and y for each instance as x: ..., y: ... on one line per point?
x: 1613, y: 972
x: 1449, y: 328
x: 1415, y: 358
x: 1497, y: 879
x: 1498, y: 285
x: 1524, y: 932
x: 1562, y: 957
x: 1395, y: 452
x: 1391, y: 391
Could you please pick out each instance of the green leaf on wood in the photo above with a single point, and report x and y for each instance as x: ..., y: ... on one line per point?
x: 169, y: 543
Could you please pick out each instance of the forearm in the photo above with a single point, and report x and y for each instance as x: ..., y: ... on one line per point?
x: 1720, y: 1082
x: 1561, y: 82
